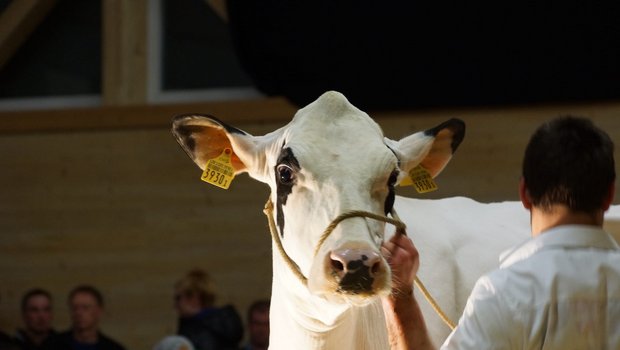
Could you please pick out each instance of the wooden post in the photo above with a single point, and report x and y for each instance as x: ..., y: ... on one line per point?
x: 17, y: 22
x: 125, y: 49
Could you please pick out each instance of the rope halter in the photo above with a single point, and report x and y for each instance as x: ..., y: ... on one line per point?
x: 395, y: 220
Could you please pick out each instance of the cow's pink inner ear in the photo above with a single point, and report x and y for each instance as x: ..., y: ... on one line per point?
x: 434, y: 165
x: 440, y: 153
x: 210, y: 142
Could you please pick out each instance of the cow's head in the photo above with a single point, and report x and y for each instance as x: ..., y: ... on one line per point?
x: 331, y: 158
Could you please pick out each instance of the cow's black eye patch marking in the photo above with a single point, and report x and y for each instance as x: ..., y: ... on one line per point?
x: 286, y: 168
x: 389, y: 200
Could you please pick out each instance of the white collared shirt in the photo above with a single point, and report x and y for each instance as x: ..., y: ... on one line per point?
x: 559, y: 290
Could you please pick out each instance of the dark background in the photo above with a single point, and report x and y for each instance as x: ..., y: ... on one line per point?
x: 409, y: 54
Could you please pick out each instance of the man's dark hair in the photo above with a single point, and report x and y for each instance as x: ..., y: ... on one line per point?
x: 34, y: 292
x: 569, y: 161
x: 261, y: 305
x: 89, y: 290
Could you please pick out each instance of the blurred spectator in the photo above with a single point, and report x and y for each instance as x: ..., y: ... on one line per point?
x: 206, y: 326
x: 86, y: 307
x: 36, y: 308
x: 258, y: 325
x: 174, y: 342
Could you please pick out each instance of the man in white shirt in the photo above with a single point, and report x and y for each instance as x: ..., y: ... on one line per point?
x: 559, y: 290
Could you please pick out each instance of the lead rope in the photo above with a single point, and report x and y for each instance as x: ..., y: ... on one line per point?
x: 400, y: 229
x: 268, y: 210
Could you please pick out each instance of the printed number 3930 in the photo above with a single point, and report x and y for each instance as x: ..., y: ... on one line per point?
x: 216, y: 177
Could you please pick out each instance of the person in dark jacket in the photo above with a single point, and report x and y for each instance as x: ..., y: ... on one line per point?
x: 7, y: 343
x: 206, y: 326
x: 86, y: 306
x: 258, y: 325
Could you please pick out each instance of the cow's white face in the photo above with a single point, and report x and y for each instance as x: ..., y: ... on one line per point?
x: 331, y: 158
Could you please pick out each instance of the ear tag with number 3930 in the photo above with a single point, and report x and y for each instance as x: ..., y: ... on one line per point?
x: 219, y: 170
x: 420, y: 179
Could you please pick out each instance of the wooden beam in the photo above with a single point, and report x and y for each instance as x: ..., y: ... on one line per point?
x: 17, y: 22
x: 263, y: 110
x: 220, y: 7
x: 142, y: 116
x: 125, y: 59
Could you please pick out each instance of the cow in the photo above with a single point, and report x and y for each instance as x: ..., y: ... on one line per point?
x: 332, y: 175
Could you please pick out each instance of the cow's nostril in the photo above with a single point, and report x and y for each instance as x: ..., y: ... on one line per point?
x: 337, y: 265
x: 375, y: 268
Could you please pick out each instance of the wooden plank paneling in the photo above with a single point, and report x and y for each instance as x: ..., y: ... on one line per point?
x: 125, y: 62
x: 17, y: 22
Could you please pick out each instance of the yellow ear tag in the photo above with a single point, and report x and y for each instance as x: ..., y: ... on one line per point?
x: 219, y: 171
x: 421, y: 179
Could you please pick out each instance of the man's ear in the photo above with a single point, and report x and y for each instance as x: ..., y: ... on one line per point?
x: 432, y: 148
x: 204, y: 137
x: 611, y: 192
x: 524, y: 195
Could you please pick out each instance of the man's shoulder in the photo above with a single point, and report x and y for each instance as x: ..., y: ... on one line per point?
x: 502, y: 286
x: 532, y: 279
x: 108, y: 343
x: 58, y: 341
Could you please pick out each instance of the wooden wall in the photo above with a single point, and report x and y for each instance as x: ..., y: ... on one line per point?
x: 124, y: 209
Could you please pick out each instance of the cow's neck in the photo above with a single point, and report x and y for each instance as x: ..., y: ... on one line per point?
x: 300, y: 320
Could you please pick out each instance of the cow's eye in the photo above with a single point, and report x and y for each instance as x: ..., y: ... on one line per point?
x: 285, y: 174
